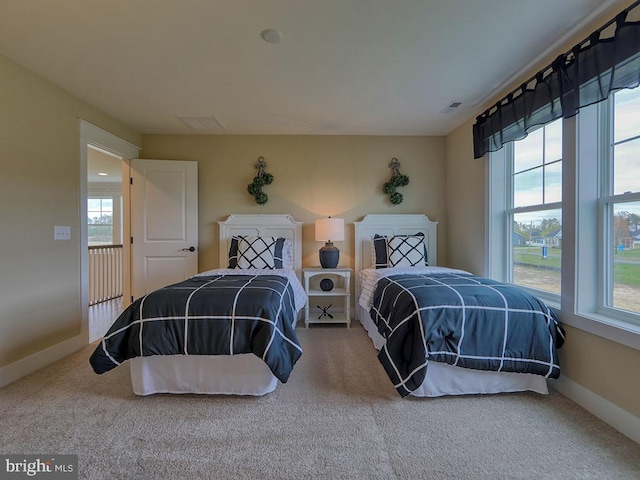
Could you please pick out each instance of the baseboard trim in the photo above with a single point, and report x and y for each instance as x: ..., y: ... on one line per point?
x: 25, y: 366
x: 608, y: 412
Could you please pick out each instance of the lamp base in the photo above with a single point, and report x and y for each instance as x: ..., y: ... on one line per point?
x: 329, y: 256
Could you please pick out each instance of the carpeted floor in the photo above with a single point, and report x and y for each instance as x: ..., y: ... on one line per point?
x: 338, y: 417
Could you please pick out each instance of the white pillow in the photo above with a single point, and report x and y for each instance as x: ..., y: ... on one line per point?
x: 406, y: 251
x: 260, y: 252
x: 288, y: 262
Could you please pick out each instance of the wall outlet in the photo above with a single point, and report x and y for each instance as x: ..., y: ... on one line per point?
x: 61, y: 233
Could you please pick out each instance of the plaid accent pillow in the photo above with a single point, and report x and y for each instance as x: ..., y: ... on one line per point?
x: 406, y: 251
x: 259, y: 252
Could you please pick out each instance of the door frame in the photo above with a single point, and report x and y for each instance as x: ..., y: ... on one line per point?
x: 93, y: 135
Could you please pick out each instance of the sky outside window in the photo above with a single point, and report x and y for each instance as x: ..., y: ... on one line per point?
x: 99, y: 207
x: 627, y: 118
x: 528, y: 152
x: 626, y: 177
x: 553, y: 141
x: 537, y: 167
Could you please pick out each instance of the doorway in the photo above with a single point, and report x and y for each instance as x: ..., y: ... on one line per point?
x: 104, y: 227
x: 105, y: 238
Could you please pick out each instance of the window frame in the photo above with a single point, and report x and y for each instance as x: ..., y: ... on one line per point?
x: 503, y: 165
x: 102, y: 214
x: 607, y: 199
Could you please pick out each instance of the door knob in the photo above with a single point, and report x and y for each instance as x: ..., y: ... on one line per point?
x: 190, y: 249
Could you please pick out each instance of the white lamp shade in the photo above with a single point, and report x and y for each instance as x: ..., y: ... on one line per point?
x: 329, y: 229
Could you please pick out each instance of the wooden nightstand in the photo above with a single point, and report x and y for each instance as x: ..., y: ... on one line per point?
x: 320, y: 298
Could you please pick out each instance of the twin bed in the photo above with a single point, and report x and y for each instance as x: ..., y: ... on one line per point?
x: 249, y: 311
x: 442, y: 331
x: 425, y: 348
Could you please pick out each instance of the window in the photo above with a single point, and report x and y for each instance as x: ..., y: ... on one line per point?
x: 584, y: 172
x: 592, y: 193
x: 100, y: 220
x: 535, y: 209
x: 620, y: 202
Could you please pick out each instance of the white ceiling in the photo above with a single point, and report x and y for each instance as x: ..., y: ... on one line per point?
x: 103, y: 167
x: 343, y: 67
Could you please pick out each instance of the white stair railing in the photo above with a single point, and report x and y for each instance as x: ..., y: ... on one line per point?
x: 105, y: 273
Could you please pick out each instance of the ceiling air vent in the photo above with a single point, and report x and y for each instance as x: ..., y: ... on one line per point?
x: 202, y: 123
x: 451, y: 107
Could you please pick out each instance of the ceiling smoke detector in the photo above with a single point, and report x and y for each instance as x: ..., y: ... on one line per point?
x: 202, y: 123
x: 271, y: 35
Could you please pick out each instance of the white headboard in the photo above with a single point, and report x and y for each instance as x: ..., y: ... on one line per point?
x: 389, y: 225
x: 263, y: 225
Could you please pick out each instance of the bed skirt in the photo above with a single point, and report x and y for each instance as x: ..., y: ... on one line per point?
x: 243, y: 374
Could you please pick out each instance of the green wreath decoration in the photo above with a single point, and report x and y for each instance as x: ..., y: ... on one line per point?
x: 397, y: 180
x: 260, y: 180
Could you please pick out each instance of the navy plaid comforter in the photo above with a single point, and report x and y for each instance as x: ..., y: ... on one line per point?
x: 208, y: 315
x: 462, y: 320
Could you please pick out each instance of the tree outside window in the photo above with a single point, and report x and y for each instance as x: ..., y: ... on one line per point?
x: 621, y: 200
x: 536, y: 211
x: 100, y: 220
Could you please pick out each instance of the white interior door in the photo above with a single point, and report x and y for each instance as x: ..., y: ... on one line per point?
x: 164, y: 223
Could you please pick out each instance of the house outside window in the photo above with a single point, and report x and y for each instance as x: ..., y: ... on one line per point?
x: 584, y: 171
x: 534, y: 210
x: 620, y: 201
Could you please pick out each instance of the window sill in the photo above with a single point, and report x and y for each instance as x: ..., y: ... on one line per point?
x: 618, y: 331
x: 553, y: 305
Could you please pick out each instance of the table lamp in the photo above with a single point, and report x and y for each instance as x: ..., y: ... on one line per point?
x: 328, y: 230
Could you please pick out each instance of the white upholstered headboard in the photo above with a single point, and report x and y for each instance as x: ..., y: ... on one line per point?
x: 263, y: 225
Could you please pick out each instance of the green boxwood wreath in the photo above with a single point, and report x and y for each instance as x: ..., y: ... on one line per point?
x: 260, y: 180
x: 397, y: 180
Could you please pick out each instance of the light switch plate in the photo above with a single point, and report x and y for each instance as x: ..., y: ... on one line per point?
x: 61, y: 232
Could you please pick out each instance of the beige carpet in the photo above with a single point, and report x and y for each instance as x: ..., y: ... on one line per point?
x: 338, y: 417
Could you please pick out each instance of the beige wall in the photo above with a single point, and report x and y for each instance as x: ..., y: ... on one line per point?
x: 608, y: 369
x: 40, y: 188
x: 604, y: 367
x: 315, y: 176
x: 465, y: 199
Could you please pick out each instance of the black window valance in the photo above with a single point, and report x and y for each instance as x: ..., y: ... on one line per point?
x: 608, y: 60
